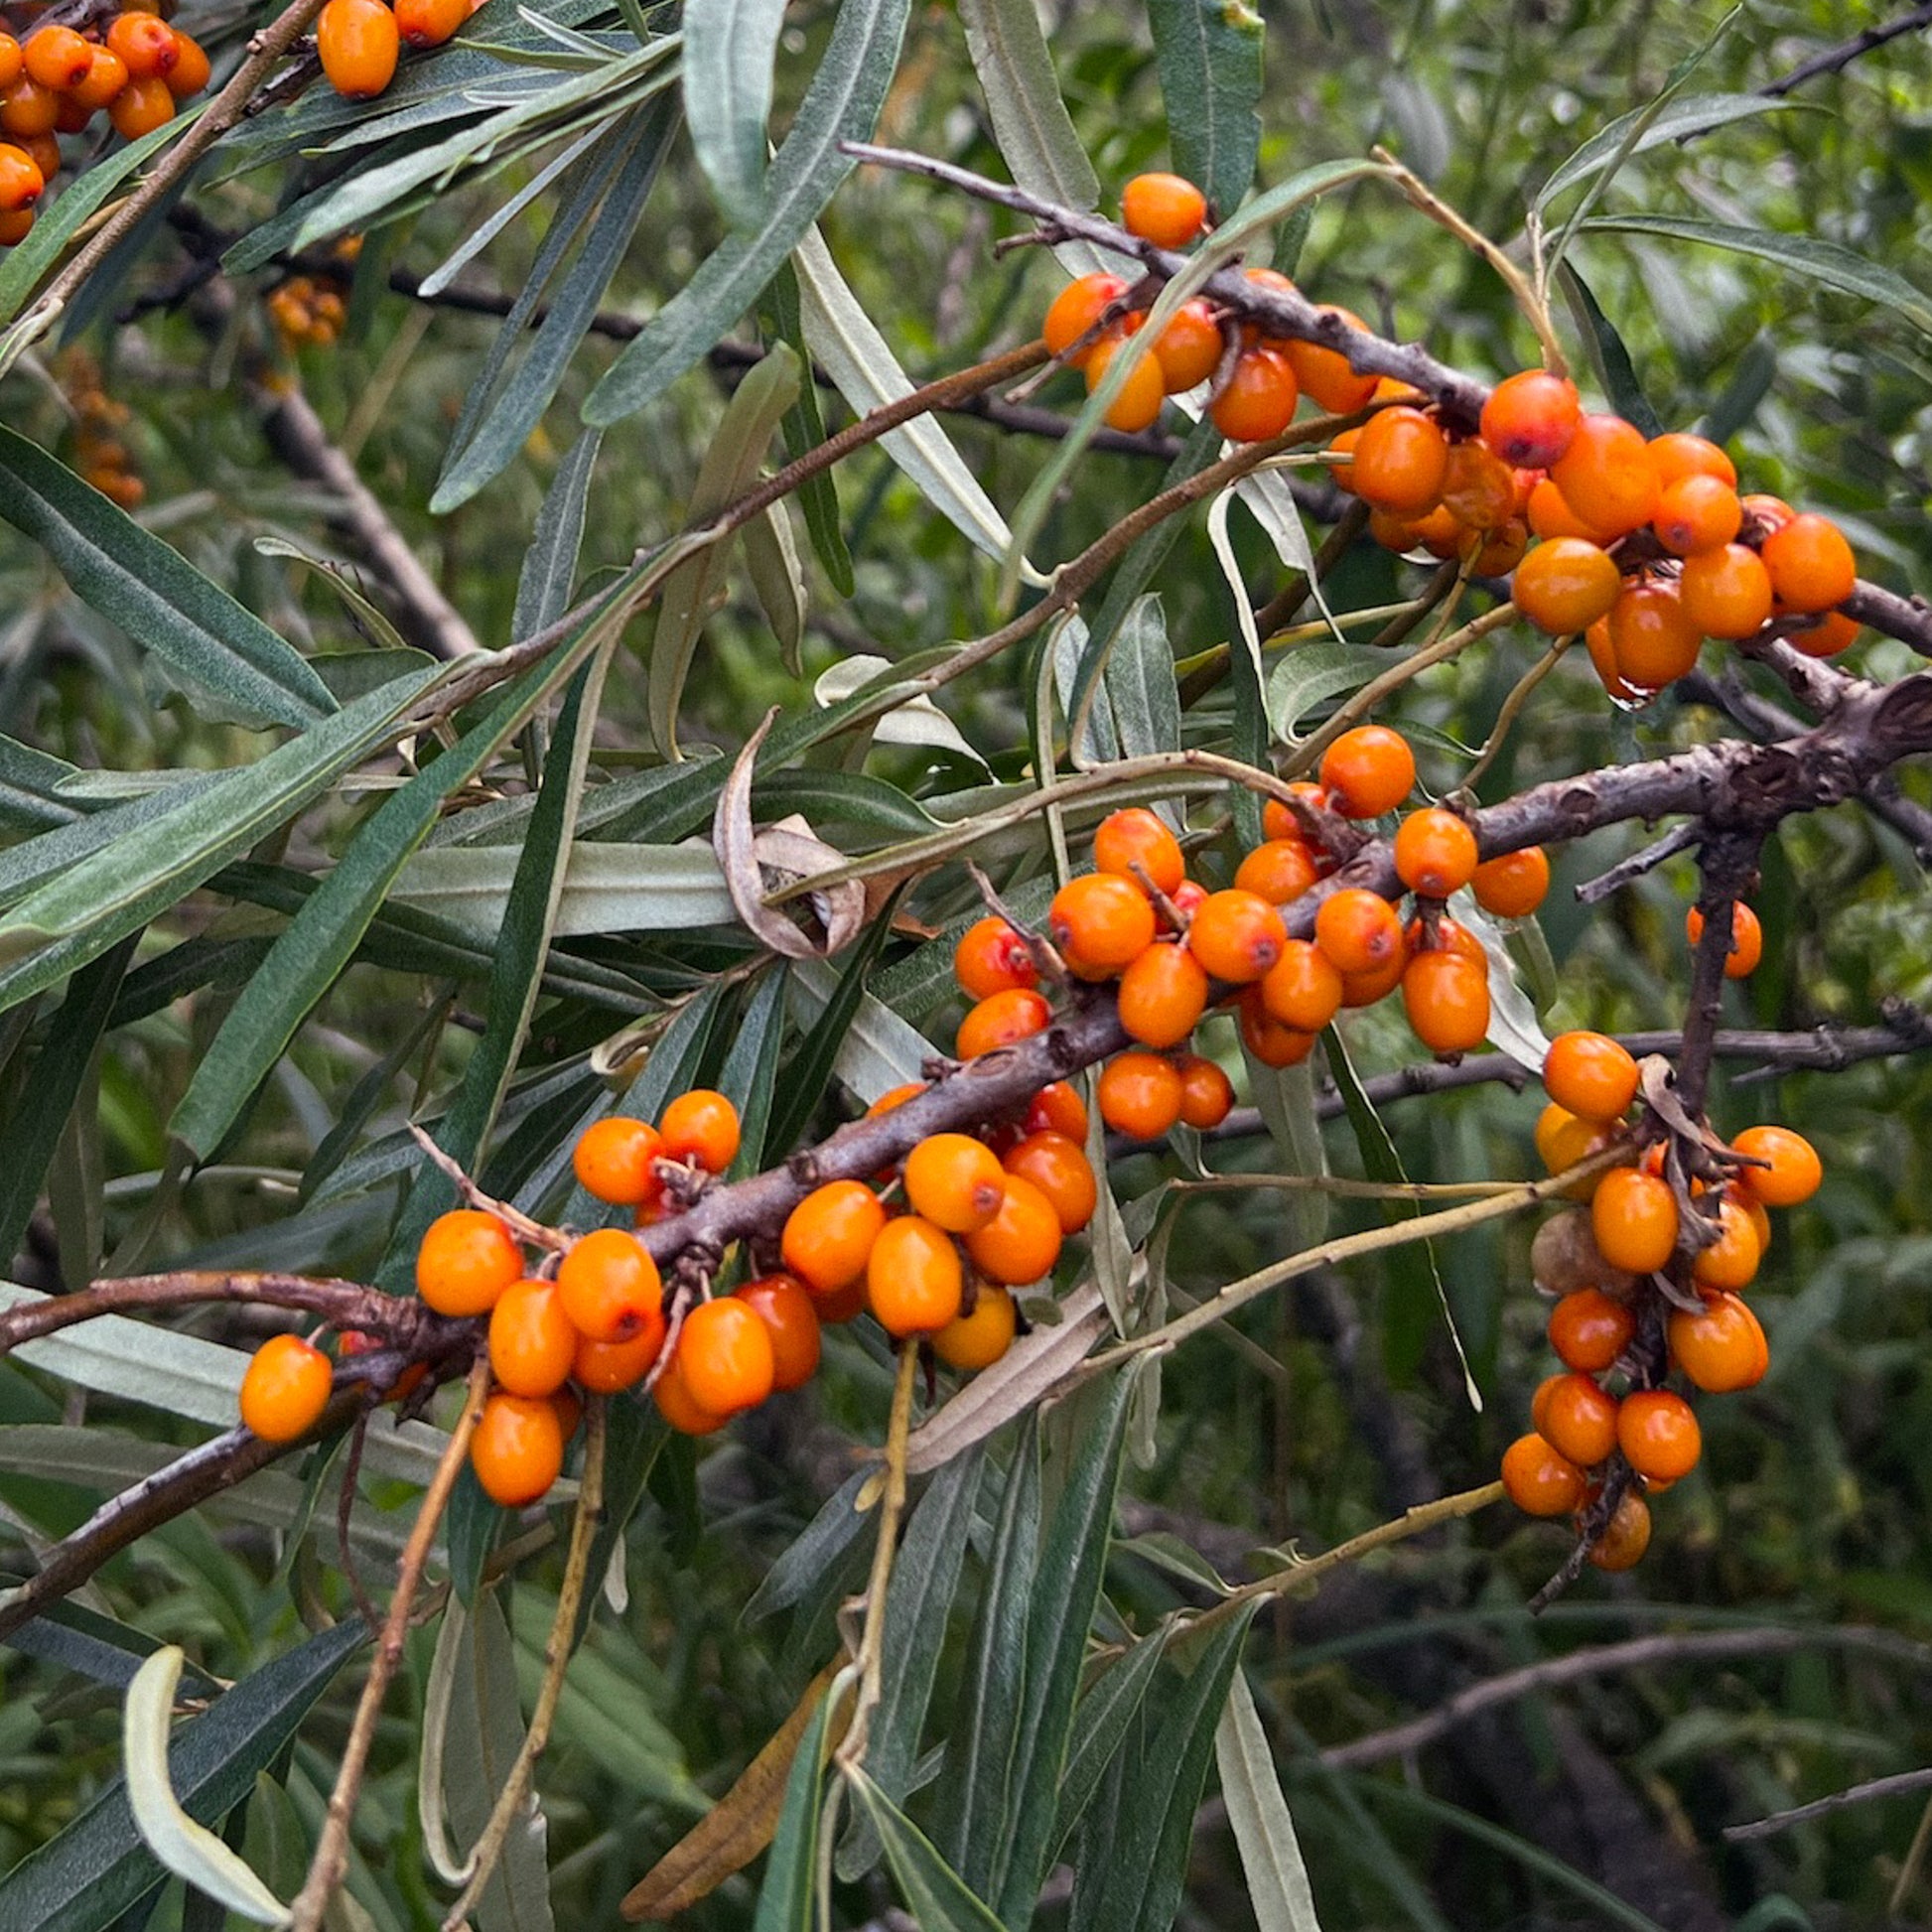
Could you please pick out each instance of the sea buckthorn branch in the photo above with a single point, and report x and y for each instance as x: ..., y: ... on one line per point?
x: 1728, y: 864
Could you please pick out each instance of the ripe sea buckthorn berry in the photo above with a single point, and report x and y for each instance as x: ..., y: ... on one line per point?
x: 1626, y: 1537
x: 609, y: 1285
x: 1550, y: 515
x: 1278, y: 820
x: 358, y: 44
x: 1143, y: 391
x: 1727, y: 591
x: 285, y: 1389
x: 1832, y: 633
x: 1563, y: 1139
x: 1358, y: 929
x: 1540, y: 1401
x: 1504, y: 549
x: 532, y: 1340
x: 1591, y: 1074
x: 58, y: 57
x: 106, y: 75
x: 1721, y: 1347
x: 1512, y: 884
x: 1435, y: 853
x: 1003, y: 1020
x: 1760, y: 1218
x: 1696, y: 513
x: 970, y: 1342
x: 1747, y: 938
x: 1162, y: 996
x: 1652, y: 638
x: 1303, y: 989
x: 1236, y: 936
x: 1765, y: 512
x: 1565, y: 585
x: 1401, y: 459
x: 1658, y: 1433
x: 27, y: 108
x: 1259, y: 398
x: 1366, y: 989
x: 1590, y: 1329
x: 990, y: 957
x: 1530, y: 418
x: 1634, y: 1219
x: 190, y: 74
x: 1730, y: 1262
x: 1272, y: 1043
x: 1607, y: 475
x: 1138, y: 1095
x: 1450, y: 936
x: 1324, y: 374
x: 1278, y: 869
x: 784, y: 1306
x: 828, y: 1236
x: 428, y: 23
x: 466, y: 1261
x: 1579, y: 1420
x: 1060, y: 1109
x: 1137, y: 837
x: 1059, y: 1167
x: 1478, y: 487
x: 1676, y: 456
x: 146, y: 43
x: 1794, y: 1170
x: 518, y: 1450
x: 725, y: 1354
x: 1075, y: 309
x: 677, y: 1404
x: 1446, y: 998
x: 1438, y: 531
x: 1166, y: 210
x: 955, y: 1181
x: 913, y: 1280
x: 1022, y: 1242
x: 1341, y: 466
x: 1811, y: 564
x: 21, y: 180
x: 11, y: 60
x: 701, y: 1128
x: 615, y: 1160
x: 143, y: 105
x: 605, y: 1367
x: 1540, y: 1482
x: 1100, y: 923
x: 1186, y: 898
x: 1206, y: 1093
x: 1368, y: 771
x: 1190, y: 346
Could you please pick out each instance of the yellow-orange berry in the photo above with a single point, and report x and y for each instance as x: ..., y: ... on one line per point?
x: 913, y: 1280
x: 428, y: 23
x: 1747, y: 938
x: 1512, y: 884
x: 701, y: 1128
x: 1003, y: 1020
x: 1138, y: 1095
x: 466, y: 1261
x: 21, y: 180
x: 1725, y: 592
x: 990, y: 957
x: 1236, y: 936
x: 955, y: 1181
x: 1793, y: 1170
x: 1590, y: 1329
x: 1059, y: 1168
x: 532, y: 1340
x: 1100, y: 923
x: 1446, y: 995
x: 1190, y: 346
x: 1265, y: 1037
x: 1565, y: 585
x: 1303, y: 989
x: 609, y: 1285
x: 1368, y: 771
x: 1134, y: 841
x: 1401, y: 459
x: 1166, y: 210
x: 605, y: 1367
x: 1279, y: 870
x: 285, y: 1389
x: 970, y: 1342
x: 1607, y: 476
x: 1435, y: 853
x: 1358, y: 930
x: 1696, y: 512
x: 1721, y: 1347
x: 1730, y: 1262
x: 1634, y: 1219
x: 677, y: 1404
x: 725, y: 1355
x: 1652, y: 640
x: 615, y: 1160
x: 1077, y: 309
x: 518, y: 1450
x: 1591, y: 1074
x: 1658, y: 1435
x: 358, y: 43
x: 143, y: 105
x: 1023, y: 1240
x: 1811, y: 565
x: 784, y: 1306
x: 1539, y: 1481
x: 828, y: 1236
x: 144, y: 42
x: 1258, y: 399
x: 1625, y: 1538
x: 1530, y: 418
x: 1325, y: 376
x: 1579, y: 1420
x: 1162, y: 996
x: 1206, y: 1093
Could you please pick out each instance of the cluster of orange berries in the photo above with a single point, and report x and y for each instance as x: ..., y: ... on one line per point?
x: 360, y: 41
x: 306, y: 309
x: 57, y: 78
x: 99, y: 454
x: 1612, y: 1319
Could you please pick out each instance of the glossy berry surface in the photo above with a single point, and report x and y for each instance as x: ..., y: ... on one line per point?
x: 1590, y: 1329
x: 990, y: 957
x: 913, y: 1280
x: 1135, y: 842
x: 285, y: 1389
x: 970, y: 1342
x: 828, y: 1236
x: 1162, y: 994
x: 1531, y: 417
x: 518, y: 1450
x: 955, y: 1181
x: 1435, y: 853
x: 532, y: 1340
x: 1368, y: 771
x: 1658, y: 1433
x: 609, y: 1285
x: 1514, y: 883
x: 701, y: 1128
x: 1022, y: 1242
x: 1634, y: 1219
x: 358, y: 43
x: 1236, y: 937
x: 784, y: 1306
x: 1540, y: 1481
x: 1785, y: 1166
x: 1591, y: 1074
x: 1059, y: 1168
x: 1166, y: 210
x: 466, y: 1261
x: 1138, y: 1095
x: 615, y: 1158
x: 724, y: 1356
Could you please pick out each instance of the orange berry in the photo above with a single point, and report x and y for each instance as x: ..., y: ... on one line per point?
x: 1023, y: 1240
x: 913, y: 1280
x: 1652, y: 638
x: 1530, y: 418
x: 1137, y: 837
x: 1606, y: 476
x: 615, y: 1160
x: 845, y: 1303
x: 609, y: 1285
x: 1721, y: 1347
x: 1324, y: 374
x: 991, y: 958
x: 466, y: 1261
x: 58, y: 57
x: 701, y: 1128
x: 1658, y: 1435
x: 1060, y: 1109
x: 1368, y: 771
x: 146, y: 44
x: 1727, y: 591
x: 1263, y: 281
x: 1478, y: 487
x: 532, y: 1340
x: 1590, y: 1329
x: 1401, y: 459
x: 1565, y: 585
x: 1747, y: 938
x: 1059, y: 1167
x: 285, y: 1389
x: 1303, y: 989
x: 1190, y: 346
x: 1766, y: 513
x: 1341, y: 466
x: 1832, y: 633
x: 677, y: 1404
x: 1579, y: 1420
x: 1446, y: 998
x: 1100, y: 923
x: 1236, y: 936
x: 1730, y: 1262
x: 106, y: 75
x: 1676, y: 456
x: 21, y: 178
x: 1550, y: 515
x: 955, y: 1181
x: 1634, y: 1219
x: 1278, y: 821
x: 605, y: 1367
x: 1794, y: 1172
x: 359, y: 43
x: 27, y: 108
x: 1810, y: 563
x: 1004, y: 1019
x: 1279, y: 870
x: 1695, y: 513
x: 1138, y: 1095
x: 1206, y: 1093
x: 828, y: 1236
x: 726, y: 1357
x: 1504, y: 549
x: 1142, y: 390
x: 11, y: 60
x: 784, y: 1305
x: 142, y: 106
x: 1591, y: 1074
x: 970, y: 1342
x: 1563, y: 1139
x: 1265, y: 1037
x: 1077, y: 309
x: 518, y: 1450
x: 1435, y: 853
x: 1512, y: 884
x: 1438, y: 531
x: 1166, y: 210
x: 190, y: 74
x: 1626, y: 1536
x: 1540, y: 1401
x: 1358, y: 930
x: 1162, y: 996
x: 1540, y: 1482
x: 1258, y: 400
x: 1760, y: 1218
x: 1450, y: 934
x: 428, y: 23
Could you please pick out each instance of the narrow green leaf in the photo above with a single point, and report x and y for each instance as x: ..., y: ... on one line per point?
x: 634, y: 1435
x: 367, y: 1094
x: 1609, y: 353
x: 840, y: 105
x: 803, y: 429
x: 1751, y: 382
x: 786, y: 1899
x: 816, y: 1549
x: 1249, y: 678
x: 1284, y: 1098
x: 550, y: 564
x: 939, y: 1897
x: 1030, y: 125
x: 778, y: 578
x: 729, y: 49
x: 1209, y: 57
x: 1264, y: 1834
x: 749, y: 1079
x: 1099, y: 1725
x: 95, y: 1646
x: 153, y: 593
x: 1310, y: 675
x: 1678, y: 121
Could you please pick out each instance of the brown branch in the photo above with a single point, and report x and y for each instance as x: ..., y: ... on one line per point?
x: 1895, y: 1786
x: 1832, y: 58
x: 1728, y: 863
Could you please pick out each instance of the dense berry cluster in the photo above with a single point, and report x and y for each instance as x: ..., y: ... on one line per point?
x: 98, y: 453
x: 54, y: 80
x: 307, y: 310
